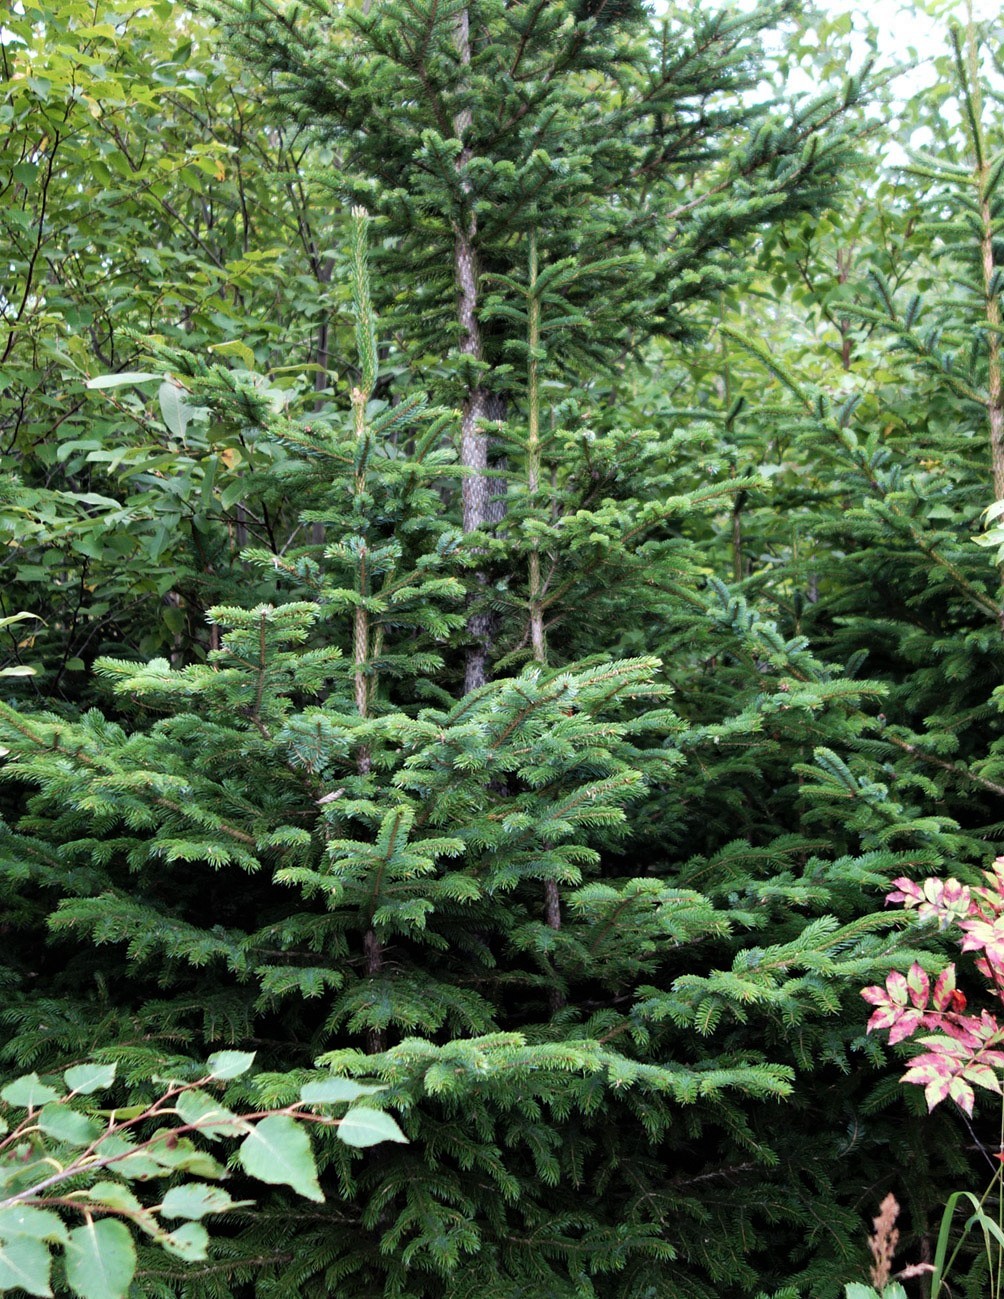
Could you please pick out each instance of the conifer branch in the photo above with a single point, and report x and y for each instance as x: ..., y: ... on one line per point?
x: 954, y: 768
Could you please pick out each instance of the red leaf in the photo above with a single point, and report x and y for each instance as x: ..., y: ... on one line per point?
x: 905, y: 891
x: 884, y: 1017
x: 907, y: 1023
x: 936, y: 1091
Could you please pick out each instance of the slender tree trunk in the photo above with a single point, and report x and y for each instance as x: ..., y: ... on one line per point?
x: 373, y: 957
x: 366, y: 347
x: 473, y: 438
x: 845, y: 261
x: 361, y: 618
x: 538, y: 640
x: 363, y: 637
x: 533, y: 463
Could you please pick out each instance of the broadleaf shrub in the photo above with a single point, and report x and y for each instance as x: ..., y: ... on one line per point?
x: 65, y: 1160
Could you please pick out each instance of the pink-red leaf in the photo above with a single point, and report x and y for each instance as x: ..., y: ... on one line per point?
x: 936, y: 1091
x: 896, y: 987
x: 944, y: 989
x: 905, y: 891
x: 906, y: 1024
x: 919, y: 986
x: 962, y: 1094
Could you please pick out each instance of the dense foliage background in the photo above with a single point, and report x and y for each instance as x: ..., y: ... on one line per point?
x: 496, y: 486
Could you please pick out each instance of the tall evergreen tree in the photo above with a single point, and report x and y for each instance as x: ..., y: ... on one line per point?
x: 884, y: 467
x: 898, y: 458
x: 630, y: 151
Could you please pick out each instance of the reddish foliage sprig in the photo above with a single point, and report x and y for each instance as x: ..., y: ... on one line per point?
x: 964, y: 1050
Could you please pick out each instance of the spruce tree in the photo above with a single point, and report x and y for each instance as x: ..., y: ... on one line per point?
x: 878, y: 536
x: 899, y: 459
x: 629, y: 153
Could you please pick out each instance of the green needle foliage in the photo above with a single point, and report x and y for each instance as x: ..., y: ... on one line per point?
x: 526, y: 912
x: 481, y: 782
x: 627, y: 152
x: 892, y: 474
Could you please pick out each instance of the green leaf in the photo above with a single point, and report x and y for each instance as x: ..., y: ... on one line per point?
x: 329, y: 1091
x: 236, y: 348
x: 25, y: 1264
x: 229, y: 1064
x: 230, y: 496
x: 100, y: 1259
x: 122, y: 379
x: 212, y: 1119
x: 28, y: 1092
x: 277, y: 1151
x: 63, y: 1124
x: 362, y: 1126
x: 123, y: 1113
x: 174, y: 409
x: 190, y: 1241
x: 130, y: 1162
x: 197, y: 1199
x: 23, y: 1220
x: 183, y: 1156
x: 115, y: 1196
x: 87, y: 1078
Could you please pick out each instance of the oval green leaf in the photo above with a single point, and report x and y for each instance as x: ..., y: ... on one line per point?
x: 63, y: 1124
x: 362, y: 1126
x: 235, y: 348
x: 174, y: 409
x: 23, y: 1220
x: 277, y: 1151
x: 190, y: 1241
x: 122, y: 379
x: 100, y: 1259
x: 28, y: 1092
x: 207, y: 1114
x: 197, y: 1199
x: 182, y: 1156
x: 24, y: 1265
x: 87, y: 1078
x: 229, y: 1064
x: 115, y: 1196
x: 330, y: 1091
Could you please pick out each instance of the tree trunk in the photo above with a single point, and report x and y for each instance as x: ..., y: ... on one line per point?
x: 473, y: 438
